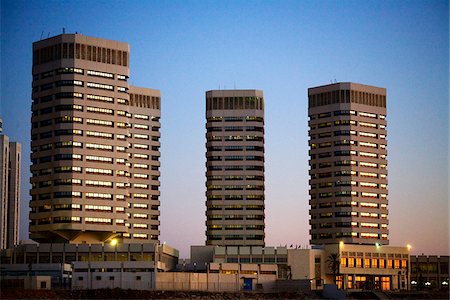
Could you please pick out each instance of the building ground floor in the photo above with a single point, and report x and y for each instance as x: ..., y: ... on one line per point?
x: 211, y: 268
x: 356, y: 267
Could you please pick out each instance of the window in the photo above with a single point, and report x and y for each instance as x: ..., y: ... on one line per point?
x: 98, y: 183
x: 99, y: 158
x: 98, y: 171
x: 100, y: 86
x: 140, y: 126
x: 99, y: 98
x: 365, y: 124
x: 99, y: 196
x: 368, y: 134
x: 122, y: 101
x: 99, y: 147
x: 97, y: 220
x: 98, y: 208
x: 69, y: 83
x: 100, y: 74
x: 104, y: 135
x: 100, y: 110
x: 99, y: 122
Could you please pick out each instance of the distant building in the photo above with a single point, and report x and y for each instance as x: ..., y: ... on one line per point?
x: 429, y: 272
x: 348, y: 164
x: 235, y: 167
x: 357, y: 266
x: 10, y: 173
x: 84, y: 266
x: 95, y: 145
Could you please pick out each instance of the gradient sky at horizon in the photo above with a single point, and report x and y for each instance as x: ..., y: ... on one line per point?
x: 184, y: 48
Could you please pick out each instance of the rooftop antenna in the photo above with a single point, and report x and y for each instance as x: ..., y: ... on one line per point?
x: 42, y: 33
x: 48, y: 35
x: 64, y: 30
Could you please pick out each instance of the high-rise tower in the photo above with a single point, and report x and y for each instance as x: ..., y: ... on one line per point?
x: 95, y: 153
x: 10, y: 166
x: 348, y: 165
x: 235, y: 167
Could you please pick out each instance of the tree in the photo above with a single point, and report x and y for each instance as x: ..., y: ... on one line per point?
x: 334, y: 261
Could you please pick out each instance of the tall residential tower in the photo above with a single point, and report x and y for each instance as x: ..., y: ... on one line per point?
x: 348, y: 165
x: 95, y: 144
x: 10, y: 162
x: 235, y: 167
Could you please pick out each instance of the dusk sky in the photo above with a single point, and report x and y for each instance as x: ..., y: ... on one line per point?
x: 185, y: 48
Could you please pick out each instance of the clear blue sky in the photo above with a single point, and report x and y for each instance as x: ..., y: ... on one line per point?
x: 184, y: 48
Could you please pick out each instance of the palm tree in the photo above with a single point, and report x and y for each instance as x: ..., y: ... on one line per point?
x: 333, y: 261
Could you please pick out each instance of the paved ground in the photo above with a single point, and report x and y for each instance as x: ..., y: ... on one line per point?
x: 133, y: 294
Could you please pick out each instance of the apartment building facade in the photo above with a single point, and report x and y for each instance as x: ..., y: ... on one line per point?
x: 10, y: 168
x: 348, y: 164
x: 95, y: 145
x: 235, y: 168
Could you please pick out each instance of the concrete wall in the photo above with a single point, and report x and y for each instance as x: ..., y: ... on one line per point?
x: 213, y: 282
x: 136, y: 275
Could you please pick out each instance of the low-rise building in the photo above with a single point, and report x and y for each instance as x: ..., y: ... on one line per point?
x: 429, y: 272
x: 357, y: 267
x: 88, y: 266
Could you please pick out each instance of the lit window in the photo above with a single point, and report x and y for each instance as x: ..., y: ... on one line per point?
x: 99, y: 147
x: 137, y: 225
x: 140, y: 126
x: 140, y: 216
x: 368, y: 184
x: 98, y: 171
x: 366, y: 144
x: 100, y: 110
x: 137, y: 175
x: 100, y: 86
x: 369, y: 165
x: 140, y: 186
x: 99, y: 158
x: 368, y: 134
x: 98, y: 195
x: 367, y: 174
x: 98, y: 183
x: 97, y: 220
x: 100, y: 122
x: 369, y: 195
x: 99, y: 98
x: 97, y: 207
x: 98, y: 134
x: 100, y: 74
x: 368, y: 115
x: 370, y: 125
x: 140, y: 205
